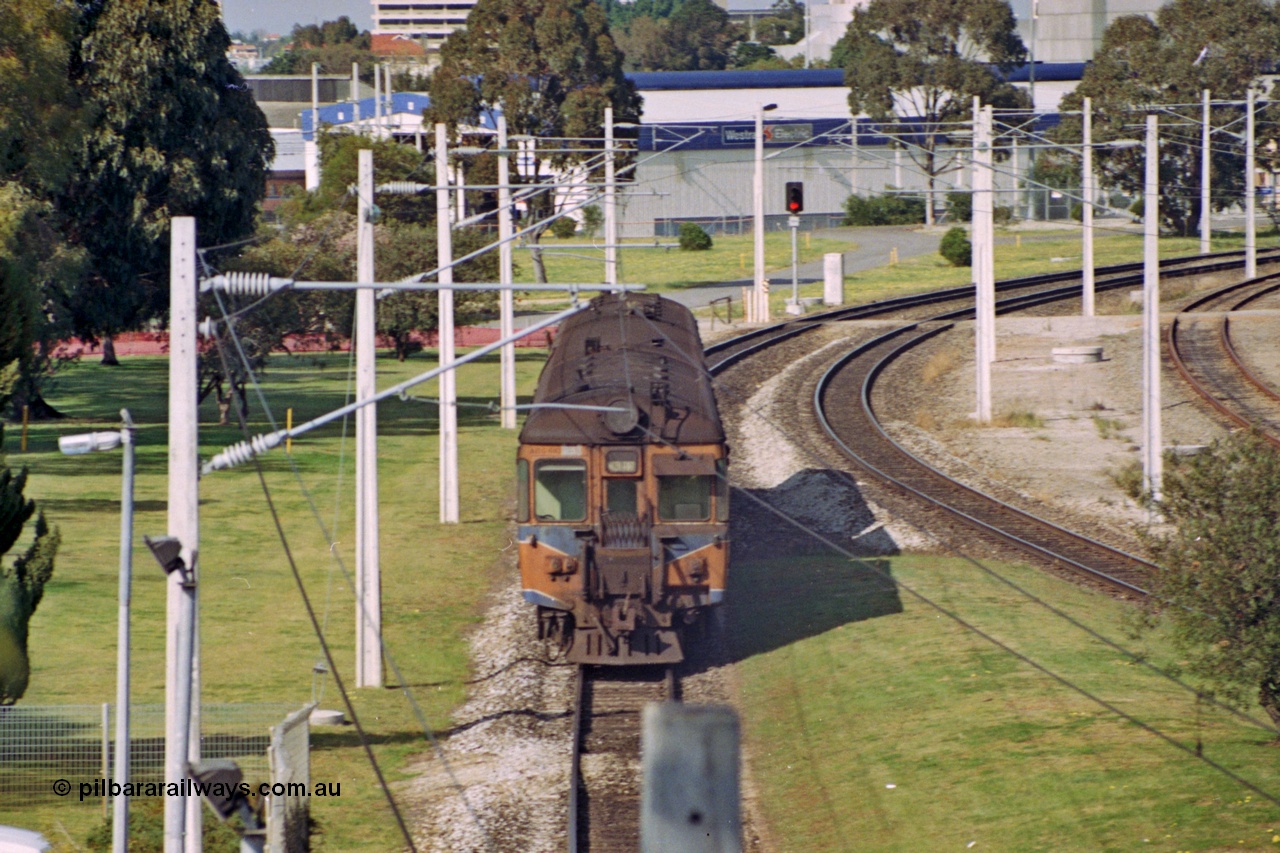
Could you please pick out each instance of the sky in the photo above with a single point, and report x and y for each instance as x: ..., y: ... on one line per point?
x: 280, y: 16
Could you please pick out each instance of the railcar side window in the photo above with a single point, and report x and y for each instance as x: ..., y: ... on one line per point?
x: 560, y: 490
x: 620, y: 496
x: 684, y: 498
x: 722, y: 490
x: 522, y: 490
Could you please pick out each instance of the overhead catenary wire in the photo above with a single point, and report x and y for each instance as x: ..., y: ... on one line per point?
x: 405, y: 689
x: 1133, y: 656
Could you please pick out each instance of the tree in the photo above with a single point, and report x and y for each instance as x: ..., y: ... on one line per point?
x: 1219, y: 583
x: 784, y: 26
x: 550, y: 66
x: 175, y: 133
x: 1192, y: 45
x: 918, y: 64
x: 698, y: 36
x: 21, y: 582
x: 332, y: 44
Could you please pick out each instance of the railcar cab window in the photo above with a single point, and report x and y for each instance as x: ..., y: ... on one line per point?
x: 522, y: 490
x: 684, y: 498
x: 560, y: 489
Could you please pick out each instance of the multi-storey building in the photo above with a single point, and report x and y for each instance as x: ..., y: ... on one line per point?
x: 402, y: 27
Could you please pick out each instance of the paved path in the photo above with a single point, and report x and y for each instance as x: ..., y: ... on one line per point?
x: 873, y: 249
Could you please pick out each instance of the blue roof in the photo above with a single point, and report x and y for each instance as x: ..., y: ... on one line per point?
x: 812, y: 78
x: 401, y: 102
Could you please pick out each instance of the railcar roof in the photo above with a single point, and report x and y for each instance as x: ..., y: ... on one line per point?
x: 636, y: 351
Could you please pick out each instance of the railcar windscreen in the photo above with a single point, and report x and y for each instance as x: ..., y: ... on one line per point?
x: 560, y: 490
x: 522, y: 490
x: 620, y: 496
x: 722, y: 490
x: 684, y: 498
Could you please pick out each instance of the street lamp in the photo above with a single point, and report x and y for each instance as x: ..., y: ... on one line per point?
x: 761, y: 310
x: 76, y: 445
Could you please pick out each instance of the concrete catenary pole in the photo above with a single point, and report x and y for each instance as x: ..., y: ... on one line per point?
x: 368, y: 572
x: 1152, y: 461
x: 983, y: 260
x: 182, y: 696
x: 377, y: 102
x: 506, y: 299
x: 610, y: 204
x: 1250, y: 199
x: 448, y: 383
x: 1206, y: 207
x: 311, y: 147
x: 1086, y: 181
x: 760, y: 301
x: 355, y: 97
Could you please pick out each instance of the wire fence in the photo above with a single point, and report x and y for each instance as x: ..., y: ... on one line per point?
x: 44, y: 744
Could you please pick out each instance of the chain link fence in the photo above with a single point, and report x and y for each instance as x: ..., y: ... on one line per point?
x: 41, y: 744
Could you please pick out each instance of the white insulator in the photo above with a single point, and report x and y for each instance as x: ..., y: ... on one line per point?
x: 241, y: 452
x: 208, y: 327
x: 247, y: 283
x: 403, y: 187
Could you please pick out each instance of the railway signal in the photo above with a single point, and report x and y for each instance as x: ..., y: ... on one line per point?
x: 795, y: 197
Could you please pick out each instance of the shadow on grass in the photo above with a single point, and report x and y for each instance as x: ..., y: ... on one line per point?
x: 788, y: 581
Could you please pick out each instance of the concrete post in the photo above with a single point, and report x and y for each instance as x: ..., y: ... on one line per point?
x: 181, y: 693
x: 1087, y: 290
x: 610, y: 204
x: 690, y: 796
x: 448, y: 382
x: 1152, y: 461
x: 368, y: 572
x: 833, y: 278
x: 506, y: 299
x: 120, y: 806
x: 1250, y: 197
x: 759, y: 312
x: 983, y: 260
x: 1206, y: 210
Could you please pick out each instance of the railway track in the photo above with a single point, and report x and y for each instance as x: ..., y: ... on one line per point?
x: 604, y: 776
x: 1205, y: 356
x: 604, y: 801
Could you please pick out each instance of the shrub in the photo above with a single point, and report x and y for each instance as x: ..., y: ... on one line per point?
x: 592, y: 219
x: 884, y: 210
x: 564, y: 227
x: 960, y: 206
x: 693, y: 238
x: 956, y: 248
x: 1077, y: 211
x: 1003, y: 214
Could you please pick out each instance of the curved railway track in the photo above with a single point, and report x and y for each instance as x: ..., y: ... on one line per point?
x: 604, y: 801
x: 1205, y: 356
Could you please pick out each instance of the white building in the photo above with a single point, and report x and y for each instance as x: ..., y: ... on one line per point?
x: 424, y: 24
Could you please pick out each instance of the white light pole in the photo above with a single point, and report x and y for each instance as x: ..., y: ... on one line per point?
x: 760, y: 309
x: 1152, y: 461
x: 74, y: 445
x: 1087, y: 288
x: 355, y: 96
x: 1206, y: 227
x: 506, y: 315
x: 448, y: 384
x: 368, y: 573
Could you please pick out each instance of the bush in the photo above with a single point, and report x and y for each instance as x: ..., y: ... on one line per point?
x: 693, y: 238
x: 956, y: 248
x: 564, y: 227
x: 592, y: 219
x: 1003, y: 214
x: 1077, y: 211
x: 960, y: 206
x: 884, y: 210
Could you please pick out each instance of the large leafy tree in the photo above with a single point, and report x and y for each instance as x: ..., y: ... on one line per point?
x: 1220, y: 579
x: 175, y: 132
x: 550, y: 66
x: 918, y: 64
x: 333, y: 44
x: 1192, y: 45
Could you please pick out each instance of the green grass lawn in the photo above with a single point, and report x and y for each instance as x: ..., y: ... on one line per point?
x: 1036, y: 252
x: 258, y: 643
x: 731, y: 257
x: 876, y: 723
